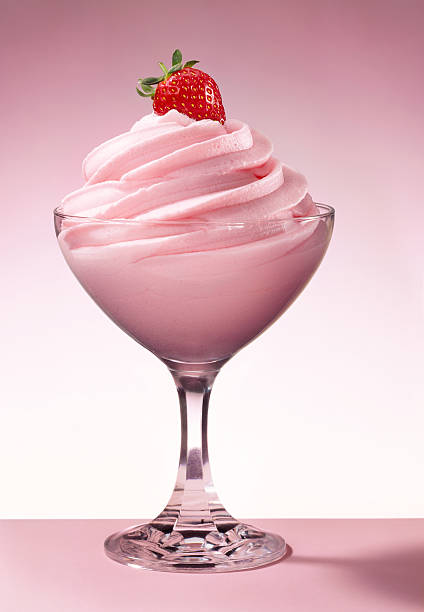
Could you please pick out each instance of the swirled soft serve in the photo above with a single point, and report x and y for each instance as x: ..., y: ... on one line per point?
x: 186, y: 221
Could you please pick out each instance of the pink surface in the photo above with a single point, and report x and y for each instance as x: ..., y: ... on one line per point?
x: 336, y: 566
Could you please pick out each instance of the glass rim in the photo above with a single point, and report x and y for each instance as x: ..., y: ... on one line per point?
x: 328, y: 211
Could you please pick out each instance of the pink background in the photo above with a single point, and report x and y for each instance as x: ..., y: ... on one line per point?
x: 330, y: 398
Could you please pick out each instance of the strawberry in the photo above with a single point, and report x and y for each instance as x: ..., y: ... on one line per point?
x: 189, y: 90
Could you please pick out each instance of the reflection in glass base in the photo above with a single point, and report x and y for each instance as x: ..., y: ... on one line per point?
x: 240, y: 547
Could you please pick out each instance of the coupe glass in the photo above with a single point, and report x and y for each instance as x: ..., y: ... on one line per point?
x: 194, y: 292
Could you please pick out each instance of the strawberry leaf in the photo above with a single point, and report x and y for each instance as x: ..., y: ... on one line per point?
x: 190, y: 63
x: 144, y: 95
x: 164, y: 69
x: 177, y: 57
x: 152, y: 80
x: 175, y: 68
x: 146, y: 88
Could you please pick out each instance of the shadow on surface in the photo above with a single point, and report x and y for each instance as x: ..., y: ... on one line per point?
x: 395, y: 573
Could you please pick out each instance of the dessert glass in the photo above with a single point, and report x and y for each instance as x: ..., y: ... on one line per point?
x: 194, y: 302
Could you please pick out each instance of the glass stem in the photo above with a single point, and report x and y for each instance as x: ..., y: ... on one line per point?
x: 194, y: 532
x: 194, y: 508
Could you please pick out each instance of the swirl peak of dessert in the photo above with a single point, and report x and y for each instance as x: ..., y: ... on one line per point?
x: 171, y: 166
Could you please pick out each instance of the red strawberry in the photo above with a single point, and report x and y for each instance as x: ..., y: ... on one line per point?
x: 189, y: 90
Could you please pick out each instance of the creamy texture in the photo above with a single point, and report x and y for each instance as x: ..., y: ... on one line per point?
x: 173, y: 168
x: 187, y: 234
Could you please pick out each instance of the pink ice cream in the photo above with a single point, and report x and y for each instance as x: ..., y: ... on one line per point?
x: 187, y: 234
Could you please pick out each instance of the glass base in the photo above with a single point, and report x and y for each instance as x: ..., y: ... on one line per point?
x: 239, y: 548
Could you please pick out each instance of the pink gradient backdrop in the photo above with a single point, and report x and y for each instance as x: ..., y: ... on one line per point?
x: 338, y: 87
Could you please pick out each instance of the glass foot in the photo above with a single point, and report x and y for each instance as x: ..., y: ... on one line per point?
x: 240, y: 547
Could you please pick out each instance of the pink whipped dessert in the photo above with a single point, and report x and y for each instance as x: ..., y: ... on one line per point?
x: 190, y: 234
